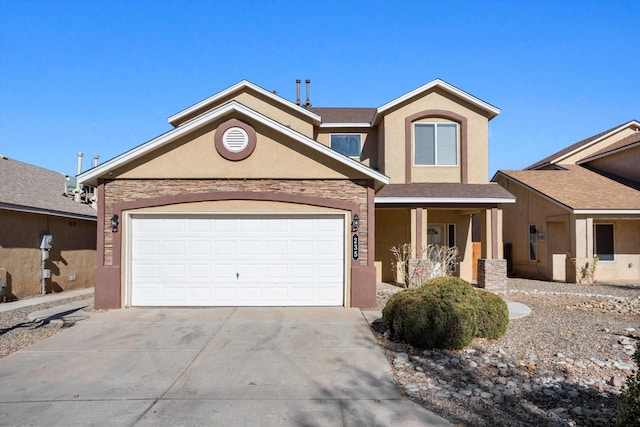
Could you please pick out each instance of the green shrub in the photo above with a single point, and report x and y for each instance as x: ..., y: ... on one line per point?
x: 629, y: 410
x: 492, y: 315
x: 445, y: 312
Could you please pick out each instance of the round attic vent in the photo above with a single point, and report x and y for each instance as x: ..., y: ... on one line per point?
x: 235, y: 139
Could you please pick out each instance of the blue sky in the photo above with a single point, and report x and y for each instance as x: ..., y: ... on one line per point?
x: 102, y: 76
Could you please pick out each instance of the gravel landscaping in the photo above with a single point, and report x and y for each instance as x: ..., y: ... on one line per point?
x: 562, y: 365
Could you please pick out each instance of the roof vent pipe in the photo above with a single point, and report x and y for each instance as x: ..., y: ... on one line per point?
x: 308, y: 102
x: 298, y: 92
x: 77, y: 191
x: 95, y: 160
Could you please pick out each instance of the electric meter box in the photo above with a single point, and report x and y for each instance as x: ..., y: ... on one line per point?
x: 46, y: 241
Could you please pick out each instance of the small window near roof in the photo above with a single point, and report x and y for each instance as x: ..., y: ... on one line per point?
x: 349, y: 145
x: 603, y: 241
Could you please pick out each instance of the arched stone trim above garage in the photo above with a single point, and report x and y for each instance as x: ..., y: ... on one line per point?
x: 351, y: 196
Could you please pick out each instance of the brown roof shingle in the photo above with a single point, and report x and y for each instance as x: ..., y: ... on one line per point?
x: 446, y: 190
x: 27, y: 186
x: 578, y: 188
x: 345, y: 115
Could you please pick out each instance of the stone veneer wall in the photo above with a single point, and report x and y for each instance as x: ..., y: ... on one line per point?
x: 125, y: 190
x: 492, y: 274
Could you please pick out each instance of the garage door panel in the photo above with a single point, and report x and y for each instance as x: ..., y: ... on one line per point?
x: 242, y: 260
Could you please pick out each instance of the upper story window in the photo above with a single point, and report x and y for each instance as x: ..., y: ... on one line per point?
x: 435, y: 144
x: 349, y: 145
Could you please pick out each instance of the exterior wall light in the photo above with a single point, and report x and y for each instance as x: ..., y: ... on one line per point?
x: 355, y: 223
x: 114, y: 223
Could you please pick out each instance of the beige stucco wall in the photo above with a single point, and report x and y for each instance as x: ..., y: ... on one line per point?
x: 626, y: 243
x: 369, y: 137
x: 393, y: 228
x: 625, y: 164
x: 195, y: 156
x: 532, y: 209
x: 394, y: 132
x: 73, y: 252
x: 280, y: 112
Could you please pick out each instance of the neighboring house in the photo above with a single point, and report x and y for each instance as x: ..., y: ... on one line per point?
x: 581, y: 202
x: 256, y: 200
x: 33, y: 203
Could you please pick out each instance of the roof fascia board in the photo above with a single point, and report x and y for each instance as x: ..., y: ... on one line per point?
x: 242, y: 84
x: 589, y: 144
x: 31, y: 210
x: 607, y: 212
x: 539, y: 193
x: 213, y: 115
x: 461, y: 200
x: 444, y: 85
x: 345, y: 125
x: 608, y: 153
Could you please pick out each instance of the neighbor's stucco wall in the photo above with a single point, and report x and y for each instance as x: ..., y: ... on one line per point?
x: 586, y: 152
x: 532, y: 209
x: 73, y: 252
x: 625, y: 164
x: 626, y: 244
x: 477, y: 146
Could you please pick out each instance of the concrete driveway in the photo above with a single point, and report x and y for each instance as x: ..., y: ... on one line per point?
x: 214, y: 366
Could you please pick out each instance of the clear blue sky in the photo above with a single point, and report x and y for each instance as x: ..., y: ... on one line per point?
x: 102, y: 76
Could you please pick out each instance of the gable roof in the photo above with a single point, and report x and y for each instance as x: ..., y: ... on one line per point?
x: 91, y: 176
x: 566, y: 152
x: 441, y: 84
x: 578, y: 189
x: 28, y: 188
x: 177, y: 118
x: 624, y: 144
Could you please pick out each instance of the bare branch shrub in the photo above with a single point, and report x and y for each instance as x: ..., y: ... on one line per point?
x: 430, y: 261
x: 585, y: 273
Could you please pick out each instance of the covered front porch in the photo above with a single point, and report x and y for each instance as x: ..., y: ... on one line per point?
x: 465, y: 216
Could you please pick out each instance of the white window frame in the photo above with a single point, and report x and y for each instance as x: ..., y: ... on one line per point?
x: 359, y: 135
x: 613, y: 242
x: 436, y: 124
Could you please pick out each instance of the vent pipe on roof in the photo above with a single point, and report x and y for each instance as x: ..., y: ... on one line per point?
x: 298, y: 92
x: 308, y: 102
x: 94, y: 198
x: 77, y: 191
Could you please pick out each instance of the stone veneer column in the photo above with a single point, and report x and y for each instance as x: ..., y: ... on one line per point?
x: 492, y: 274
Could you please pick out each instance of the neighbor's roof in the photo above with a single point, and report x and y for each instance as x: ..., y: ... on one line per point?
x: 455, y: 193
x: 630, y: 141
x: 579, y: 189
x: 29, y: 188
x: 558, y: 156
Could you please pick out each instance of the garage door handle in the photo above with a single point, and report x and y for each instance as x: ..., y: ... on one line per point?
x: 237, y: 276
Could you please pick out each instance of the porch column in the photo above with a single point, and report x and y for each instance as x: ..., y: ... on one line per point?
x: 584, y: 240
x: 418, y: 229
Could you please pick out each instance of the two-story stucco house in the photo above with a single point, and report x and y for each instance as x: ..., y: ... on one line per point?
x: 252, y: 199
x: 578, y: 203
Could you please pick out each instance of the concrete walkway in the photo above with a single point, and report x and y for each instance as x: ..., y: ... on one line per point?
x: 214, y: 366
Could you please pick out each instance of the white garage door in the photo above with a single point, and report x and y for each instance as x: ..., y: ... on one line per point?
x: 295, y: 260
